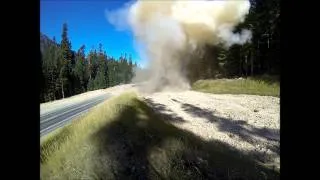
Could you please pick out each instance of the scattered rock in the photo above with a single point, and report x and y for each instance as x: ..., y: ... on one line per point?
x: 231, y: 135
x: 216, y: 117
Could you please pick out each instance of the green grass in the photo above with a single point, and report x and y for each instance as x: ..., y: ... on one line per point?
x: 124, y: 139
x: 256, y: 86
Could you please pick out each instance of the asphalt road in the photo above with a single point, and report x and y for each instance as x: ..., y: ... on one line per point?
x: 59, y: 117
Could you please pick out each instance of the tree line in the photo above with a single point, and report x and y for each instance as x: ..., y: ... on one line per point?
x: 258, y: 57
x: 65, y: 73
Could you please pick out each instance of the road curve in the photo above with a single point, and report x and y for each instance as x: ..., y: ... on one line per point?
x: 59, y: 117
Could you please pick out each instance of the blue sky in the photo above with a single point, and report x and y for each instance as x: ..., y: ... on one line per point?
x: 87, y: 24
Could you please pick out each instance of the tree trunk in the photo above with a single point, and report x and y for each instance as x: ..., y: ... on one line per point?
x: 251, y: 58
x: 246, y: 65
x: 52, y: 86
x: 62, y: 89
x: 240, y: 64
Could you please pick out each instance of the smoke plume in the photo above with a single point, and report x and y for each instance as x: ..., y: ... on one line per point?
x: 166, y: 32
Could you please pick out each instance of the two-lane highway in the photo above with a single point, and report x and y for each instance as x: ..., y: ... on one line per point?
x: 58, y: 117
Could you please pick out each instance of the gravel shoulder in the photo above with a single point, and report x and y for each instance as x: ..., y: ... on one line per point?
x: 246, y: 122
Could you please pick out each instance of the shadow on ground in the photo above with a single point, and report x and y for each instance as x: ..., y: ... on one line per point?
x: 164, y: 112
x: 52, y: 144
x: 140, y: 145
x: 233, y: 127
x: 239, y: 128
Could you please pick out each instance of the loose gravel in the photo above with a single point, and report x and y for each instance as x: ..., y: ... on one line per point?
x: 248, y: 123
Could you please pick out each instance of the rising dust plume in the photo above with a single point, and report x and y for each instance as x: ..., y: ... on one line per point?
x: 167, y: 32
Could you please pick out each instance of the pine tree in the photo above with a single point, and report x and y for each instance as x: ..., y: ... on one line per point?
x: 65, y: 71
x: 90, y: 85
x: 80, y: 68
x: 100, y: 80
x: 106, y: 70
x: 41, y: 80
x: 111, y: 72
x: 130, y: 68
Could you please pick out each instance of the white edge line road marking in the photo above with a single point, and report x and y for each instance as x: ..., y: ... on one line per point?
x: 48, y: 119
x: 67, y: 106
x: 56, y: 124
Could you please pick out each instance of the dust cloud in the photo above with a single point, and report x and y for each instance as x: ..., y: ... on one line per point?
x: 167, y: 32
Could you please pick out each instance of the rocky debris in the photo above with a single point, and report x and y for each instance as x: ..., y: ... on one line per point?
x: 228, y: 118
